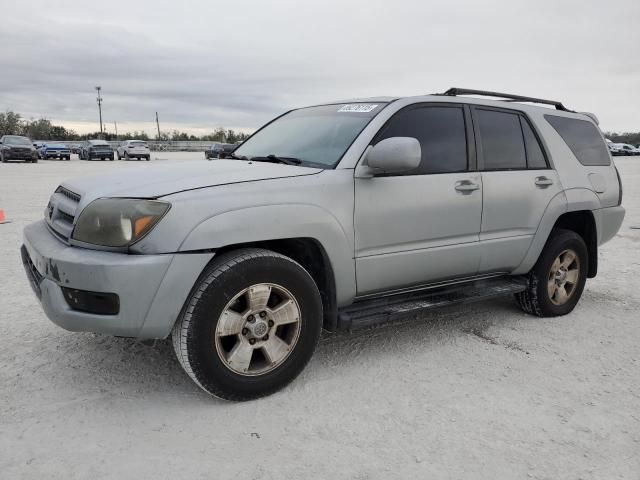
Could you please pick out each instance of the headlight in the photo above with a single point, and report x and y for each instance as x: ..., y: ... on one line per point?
x: 118, y: 222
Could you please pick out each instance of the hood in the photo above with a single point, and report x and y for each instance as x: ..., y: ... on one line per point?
x: 153, y: 181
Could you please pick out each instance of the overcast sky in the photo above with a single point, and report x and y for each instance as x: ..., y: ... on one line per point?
x: 204, y: 64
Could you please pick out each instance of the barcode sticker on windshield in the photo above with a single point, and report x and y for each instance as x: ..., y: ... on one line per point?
x: 358, y: 107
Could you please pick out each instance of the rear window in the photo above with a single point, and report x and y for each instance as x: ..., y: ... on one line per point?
x: 583, y: 138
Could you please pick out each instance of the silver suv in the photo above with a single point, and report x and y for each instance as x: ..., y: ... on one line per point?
x: 334, y: 216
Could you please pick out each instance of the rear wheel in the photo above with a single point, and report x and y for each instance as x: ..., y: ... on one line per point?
x: 250, y: 325
x: 557, y: 280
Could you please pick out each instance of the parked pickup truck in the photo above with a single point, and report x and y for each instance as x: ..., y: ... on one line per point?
x: 55, y: 150
x: 336, y: 216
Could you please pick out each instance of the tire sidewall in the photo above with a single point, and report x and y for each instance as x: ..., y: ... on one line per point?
x: 205, y: 309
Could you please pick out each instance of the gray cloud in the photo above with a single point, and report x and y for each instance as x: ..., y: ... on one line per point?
x: 206, y: 64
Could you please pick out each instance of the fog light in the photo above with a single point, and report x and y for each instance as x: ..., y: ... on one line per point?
x: 92, y: 302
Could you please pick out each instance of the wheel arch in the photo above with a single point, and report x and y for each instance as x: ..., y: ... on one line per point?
x: 313, y: 257
x: 283, y: 226
x: 583, y: 223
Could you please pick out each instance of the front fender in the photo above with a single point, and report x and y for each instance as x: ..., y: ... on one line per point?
x: 273, y: 222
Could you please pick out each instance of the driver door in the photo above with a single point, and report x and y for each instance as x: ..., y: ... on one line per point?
x: 421, y: 226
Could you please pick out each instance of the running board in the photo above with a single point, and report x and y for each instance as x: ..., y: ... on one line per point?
x: 367, y: 313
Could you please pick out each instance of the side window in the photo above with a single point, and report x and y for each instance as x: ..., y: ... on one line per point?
x: 535, y: 155
x: 583, y: 138
x: 501, y: 140
x: 441, y: 133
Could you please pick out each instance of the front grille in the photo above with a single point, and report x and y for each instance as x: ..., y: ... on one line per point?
x: 65, y: 216
x: 61, y: 212
x: 68, y: 193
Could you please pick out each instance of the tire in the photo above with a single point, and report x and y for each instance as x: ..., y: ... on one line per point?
x: 3, y: 158
x: 218, y: 287
x: 148, y: 158
x: 544, y: 278
x: 126, y: 156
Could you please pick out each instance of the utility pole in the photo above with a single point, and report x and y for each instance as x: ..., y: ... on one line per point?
x: 98, y: 88
x: 158, y: 125
x: 115, y: 124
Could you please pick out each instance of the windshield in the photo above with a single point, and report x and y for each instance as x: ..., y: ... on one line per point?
x: 314, y: 135
x: 17, y: 141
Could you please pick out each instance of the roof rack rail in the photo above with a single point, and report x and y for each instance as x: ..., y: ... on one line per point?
x: 507, y: 96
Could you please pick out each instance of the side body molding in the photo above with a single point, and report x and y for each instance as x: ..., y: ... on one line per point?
x: 280, y: 221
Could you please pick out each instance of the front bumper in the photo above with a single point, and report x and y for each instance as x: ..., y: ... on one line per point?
x: 151, y: 288
x: 19, y: 155
x: 56, y: 153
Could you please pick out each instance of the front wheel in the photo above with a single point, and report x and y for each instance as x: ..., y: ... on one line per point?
x: 250, y: 325
x: 557, y: 280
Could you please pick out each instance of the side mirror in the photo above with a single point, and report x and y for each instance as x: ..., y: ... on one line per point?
x: 394, y: 155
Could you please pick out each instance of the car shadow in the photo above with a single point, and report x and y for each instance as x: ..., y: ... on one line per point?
x: 129, y: 367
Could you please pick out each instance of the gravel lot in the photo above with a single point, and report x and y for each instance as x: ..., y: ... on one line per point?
x: 480, y: 391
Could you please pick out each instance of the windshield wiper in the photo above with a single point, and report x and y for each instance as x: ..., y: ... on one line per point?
x: 275, y: 159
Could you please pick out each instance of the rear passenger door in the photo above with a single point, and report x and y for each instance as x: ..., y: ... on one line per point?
x: 518, y: 184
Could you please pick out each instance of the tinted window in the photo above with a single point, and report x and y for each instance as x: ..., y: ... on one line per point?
x: 501, y: 139
x: 583, y: 138
x: 441, y: 133
x: 535, y: 156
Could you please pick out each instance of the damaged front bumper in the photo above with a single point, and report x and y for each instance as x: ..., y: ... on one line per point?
x: 106, y: 292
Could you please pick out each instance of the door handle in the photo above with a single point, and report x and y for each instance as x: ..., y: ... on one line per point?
x: 543, y: 182
x: 466, y: 186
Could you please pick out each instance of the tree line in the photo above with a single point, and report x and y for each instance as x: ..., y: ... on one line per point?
x: 12, y: 123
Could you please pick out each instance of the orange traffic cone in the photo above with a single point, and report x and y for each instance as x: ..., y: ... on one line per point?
x: 2, y: 218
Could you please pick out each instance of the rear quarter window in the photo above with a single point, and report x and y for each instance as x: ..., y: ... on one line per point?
x: 583, y: 138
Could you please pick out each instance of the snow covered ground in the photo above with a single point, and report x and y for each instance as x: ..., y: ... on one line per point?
x: 479, y: 391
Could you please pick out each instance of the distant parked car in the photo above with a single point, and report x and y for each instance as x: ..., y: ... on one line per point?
x: 94, y: 149
x: 55, y: 150
x: 134, y: 149
x: 626, y: 149
x: 76, y: 149
x: 614, y: 148
x: 219, y: 150
x: 15, y: 147
x: 38, y: 146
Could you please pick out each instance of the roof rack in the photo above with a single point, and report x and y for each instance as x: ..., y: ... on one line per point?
x: 507, y: 96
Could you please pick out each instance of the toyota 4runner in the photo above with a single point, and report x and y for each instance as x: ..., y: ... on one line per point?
x: 335, y: 216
